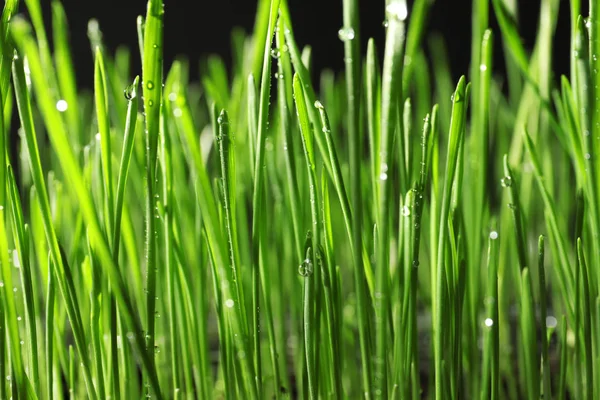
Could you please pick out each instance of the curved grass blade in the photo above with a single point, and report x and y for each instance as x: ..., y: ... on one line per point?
x: 314, y: 240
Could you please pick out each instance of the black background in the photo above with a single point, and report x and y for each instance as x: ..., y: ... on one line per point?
x: 199, y: 27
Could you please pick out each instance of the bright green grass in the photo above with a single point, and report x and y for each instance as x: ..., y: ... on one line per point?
x: 259, y: 235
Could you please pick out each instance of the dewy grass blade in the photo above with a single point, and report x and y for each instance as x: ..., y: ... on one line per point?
x: 22, y: 248
x: 258, y: 190
x: 314, y: 240
x: 152, y: 90
x: 128, y: 141
x: 391, y: 95
x: 130, y: 94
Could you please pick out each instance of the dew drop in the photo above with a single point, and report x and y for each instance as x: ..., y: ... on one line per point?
x: 229, y: 303
x: 405, y: 211
x: 156, y: 349
x: 150, y: 103
x: 551, y: 322
x: 306, y: 268
x: 62, y: 105
x: 275, y: 53
x: 383, y: 176
x: 130, y: 92
x: 489, y: 322
x: 506, y: 181
x: 493, y: 235
x: 483, y: 67
x: 588, y: 156
x: 397, y: 10
x: 346, y: 34
x: 150, y: 85
x: 177, y: 112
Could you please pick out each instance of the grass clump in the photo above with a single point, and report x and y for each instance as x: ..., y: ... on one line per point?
x: 257, y: 235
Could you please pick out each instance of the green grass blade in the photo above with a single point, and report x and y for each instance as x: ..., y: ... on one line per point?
x: 312, y: 241
x: 22, y: 249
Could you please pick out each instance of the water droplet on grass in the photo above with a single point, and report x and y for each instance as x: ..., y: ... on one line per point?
x: 229, y: 303
x: 306, y: 268
x: 346, y: 34
x: 130, y: 92
x: 62, y: 105
x: 489, y: 322
x: 506, y: 181
x: 405, y: 211
x: 397, y: 10
x: 275, y: 53
x: 551, y: 321
x: 493, y: 235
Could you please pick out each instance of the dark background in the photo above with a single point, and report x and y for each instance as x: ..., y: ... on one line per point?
x: 199, y: 27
